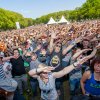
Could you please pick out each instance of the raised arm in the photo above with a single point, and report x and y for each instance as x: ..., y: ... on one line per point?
x: 7, y: 58
x: 71, y: 45
x: 35, y: 72
x: 92, y: 54
x: 68, y: 48
x: 77, y: 54
x: 77, y: 64
x: 53, y: 36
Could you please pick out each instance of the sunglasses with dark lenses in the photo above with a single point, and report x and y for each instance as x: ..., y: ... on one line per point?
x: 44, y: 73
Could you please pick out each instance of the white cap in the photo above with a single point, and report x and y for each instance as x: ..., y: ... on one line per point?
x: 1, y: 54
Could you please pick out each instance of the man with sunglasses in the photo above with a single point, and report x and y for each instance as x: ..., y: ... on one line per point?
x: 56, y: 56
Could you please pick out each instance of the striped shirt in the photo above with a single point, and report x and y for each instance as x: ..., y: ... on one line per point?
x: 2, y: 74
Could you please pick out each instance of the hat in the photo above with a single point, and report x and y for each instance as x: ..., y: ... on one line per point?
x: 1, y: 54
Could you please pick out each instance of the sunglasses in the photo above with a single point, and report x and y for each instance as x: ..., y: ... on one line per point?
x: 44, y: 73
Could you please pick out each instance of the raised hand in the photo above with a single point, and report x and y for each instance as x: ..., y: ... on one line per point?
x: 77, y: 54
x: 79, y: 39
x: 53, y: 35
x: 48, y: 69
x: 83, y: 60
x: 86, y: 58
x: 98, y: 46
x: 45, y: 69
x: 28, y: 54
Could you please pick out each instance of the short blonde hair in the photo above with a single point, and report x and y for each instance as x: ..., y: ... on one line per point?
x: 42, y: 65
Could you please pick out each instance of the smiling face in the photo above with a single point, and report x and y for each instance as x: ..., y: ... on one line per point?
x: 44, y: 75
x: 16, y: 53
x: 97, y: 67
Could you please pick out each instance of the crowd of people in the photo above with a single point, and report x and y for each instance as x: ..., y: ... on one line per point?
x: 43, y: 55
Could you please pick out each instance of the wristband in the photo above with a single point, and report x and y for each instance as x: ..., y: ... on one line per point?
x: 36, y: 71
x: 74, y: 65
x: 77, y: 65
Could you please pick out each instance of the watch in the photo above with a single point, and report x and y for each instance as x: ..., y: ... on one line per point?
x: 75, y: 65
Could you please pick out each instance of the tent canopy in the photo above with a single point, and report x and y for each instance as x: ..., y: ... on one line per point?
x: 63, y: 20
x: 51, y: 21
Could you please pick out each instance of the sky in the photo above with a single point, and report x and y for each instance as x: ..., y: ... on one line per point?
x: 37, y: 8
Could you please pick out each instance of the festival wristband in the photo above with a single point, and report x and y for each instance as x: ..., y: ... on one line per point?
x: 36, y: 71
x: 76, y: 65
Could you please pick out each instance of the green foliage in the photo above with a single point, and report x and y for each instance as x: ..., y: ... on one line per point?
x: 8, y: 19
x: 89, y: 10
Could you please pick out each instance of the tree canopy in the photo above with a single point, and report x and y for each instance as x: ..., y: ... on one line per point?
x: 89, y: 10
x: 8, y: 20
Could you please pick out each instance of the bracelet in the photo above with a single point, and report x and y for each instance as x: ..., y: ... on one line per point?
x: 36, y: 71
x: 74, y: 65
x: 77, y: 66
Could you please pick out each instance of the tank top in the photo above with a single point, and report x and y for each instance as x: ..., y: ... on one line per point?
x: 92, y: 86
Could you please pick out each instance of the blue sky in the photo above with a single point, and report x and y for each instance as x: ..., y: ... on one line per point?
x: 37, y: 8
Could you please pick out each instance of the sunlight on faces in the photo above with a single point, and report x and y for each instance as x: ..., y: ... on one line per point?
x: 44, y: 75
x: 34, y: 56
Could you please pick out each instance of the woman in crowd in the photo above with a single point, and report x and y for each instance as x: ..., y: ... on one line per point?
x: 90, y: 82
x: 46, y: 78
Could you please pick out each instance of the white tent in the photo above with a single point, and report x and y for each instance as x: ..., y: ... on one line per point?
x: 51, y: 21
x: 63, y: 20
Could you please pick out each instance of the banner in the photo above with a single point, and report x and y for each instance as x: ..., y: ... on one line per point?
x: 17, y: 25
